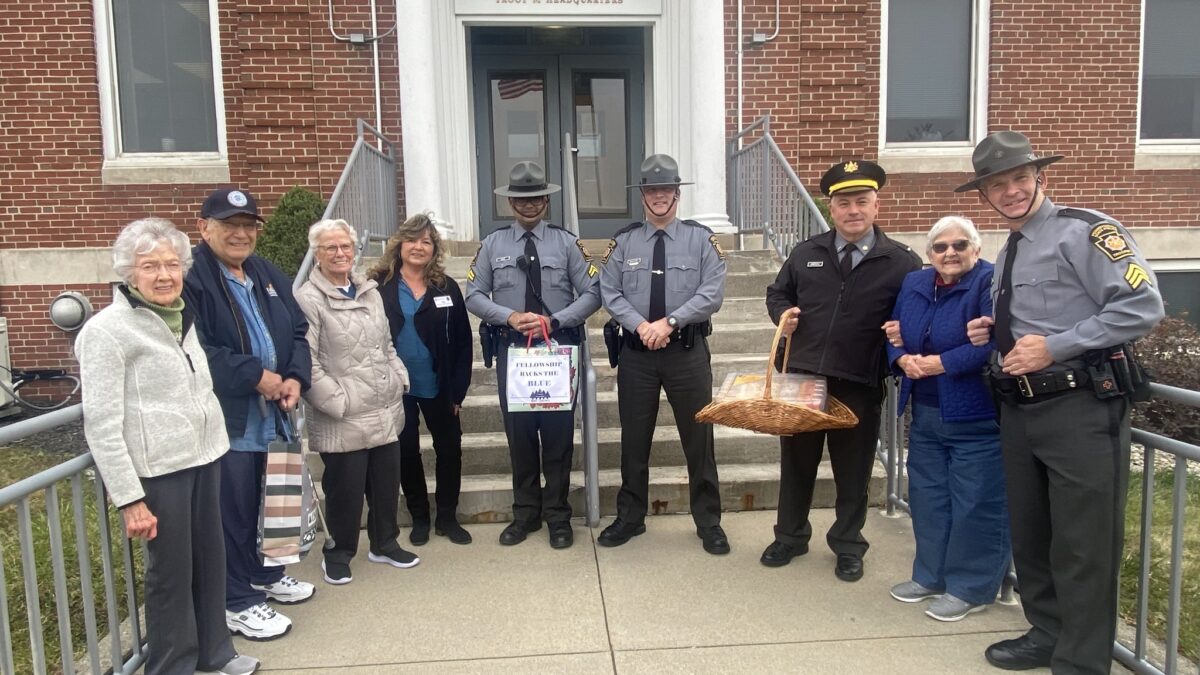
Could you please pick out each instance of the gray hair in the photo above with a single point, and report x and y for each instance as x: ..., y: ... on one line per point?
x: 143, y: 236
x: 322, y: 227
x: 953, y: 222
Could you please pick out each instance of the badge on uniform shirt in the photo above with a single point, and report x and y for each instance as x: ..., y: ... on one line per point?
x: 1111, y: 241
x: 443, y: 301
x: 633, y: 262
x: 815, y: 263
x: 471, y: 267
x: 1136, y: 275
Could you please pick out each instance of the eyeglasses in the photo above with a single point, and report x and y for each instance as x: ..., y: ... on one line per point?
x: 960, y: 246
x: 252, y: 226
x: 333, y: 249
x: 522, y: 201
x: 172, y: 267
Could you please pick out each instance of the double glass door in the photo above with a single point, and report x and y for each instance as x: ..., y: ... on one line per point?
x: 523, y: 107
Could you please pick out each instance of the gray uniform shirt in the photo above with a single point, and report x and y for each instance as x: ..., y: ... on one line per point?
x: 1082, y: 285
x: 695, y: 274
x: 496, y: 286
x: 860, y: 249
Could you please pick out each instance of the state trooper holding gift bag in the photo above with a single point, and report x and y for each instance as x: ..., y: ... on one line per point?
x: 662, y: 280
x: 525, y: 276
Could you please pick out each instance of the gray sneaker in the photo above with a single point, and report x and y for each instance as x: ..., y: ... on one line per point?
x: 950, y: 608
x: 238, y: 665
x: 911, y: 591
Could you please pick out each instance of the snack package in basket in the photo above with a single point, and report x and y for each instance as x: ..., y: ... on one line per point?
x: 807, y: 390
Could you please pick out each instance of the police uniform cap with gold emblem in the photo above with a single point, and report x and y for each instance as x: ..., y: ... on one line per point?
x: 855, y: 175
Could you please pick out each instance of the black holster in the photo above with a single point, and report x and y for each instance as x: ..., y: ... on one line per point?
x: 487, y: 344
x: 612, y: 340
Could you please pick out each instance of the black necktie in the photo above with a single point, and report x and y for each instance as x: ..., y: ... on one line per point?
x: 533, y: 288
x: 847, y: 260
x: 1003, y: 330
x: 658, y: 280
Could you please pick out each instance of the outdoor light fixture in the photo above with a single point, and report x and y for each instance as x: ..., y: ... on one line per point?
x: 70, y: 310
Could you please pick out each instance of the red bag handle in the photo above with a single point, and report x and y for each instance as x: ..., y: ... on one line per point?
x: 545, y: 333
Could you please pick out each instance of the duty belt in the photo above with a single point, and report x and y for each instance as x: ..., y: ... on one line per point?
x: 1037, y: 386
x: 512, y: 336
x: 685, y: 336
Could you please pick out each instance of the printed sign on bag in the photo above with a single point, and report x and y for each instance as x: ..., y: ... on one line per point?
x: 542, y: 378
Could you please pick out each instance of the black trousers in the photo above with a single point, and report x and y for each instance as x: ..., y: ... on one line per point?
x: 1066, y: 460
x: 349, y: 476
x: 539, y: 444
x: 851, y: 453
x: 686, y: 377
x: 446, y: 429
x: 185, y: 574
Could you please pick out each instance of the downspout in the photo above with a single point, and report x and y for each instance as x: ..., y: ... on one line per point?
x: 378, y: 85
x: 738, y: 127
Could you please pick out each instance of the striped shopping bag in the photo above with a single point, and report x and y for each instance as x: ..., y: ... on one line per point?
x: 287, y: 517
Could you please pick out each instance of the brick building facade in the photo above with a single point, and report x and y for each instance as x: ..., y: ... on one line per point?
x: 291, y: 94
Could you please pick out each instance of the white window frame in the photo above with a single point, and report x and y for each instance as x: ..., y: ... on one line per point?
x: 154, y: 167
x: 1156, y: 153
x: 938, y: 157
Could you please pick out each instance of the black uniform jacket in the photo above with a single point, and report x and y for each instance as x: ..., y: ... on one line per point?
x: 446, y: 332
x: 839, y: 333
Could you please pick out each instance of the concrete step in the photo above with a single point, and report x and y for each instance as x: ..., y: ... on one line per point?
x: 483, y: 380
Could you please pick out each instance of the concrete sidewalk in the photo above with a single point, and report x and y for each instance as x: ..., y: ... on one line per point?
x: 659, y: 604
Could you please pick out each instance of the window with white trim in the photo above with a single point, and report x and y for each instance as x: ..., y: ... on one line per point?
x: 934, y: 71
x: 160, y: 86
x: 1170, y: 101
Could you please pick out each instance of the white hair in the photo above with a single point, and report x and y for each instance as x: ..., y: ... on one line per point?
x: 950, y: 223
x: 322, y: 227
x: 143, y: 236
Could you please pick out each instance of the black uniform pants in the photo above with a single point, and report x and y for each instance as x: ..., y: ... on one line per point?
x: 1066, y: 460
x: 686, y: 377
x: 446, y: 429
x: 539, y: 444
x: 851, y: 453
x: 349, y: 476
x: 185, y: 574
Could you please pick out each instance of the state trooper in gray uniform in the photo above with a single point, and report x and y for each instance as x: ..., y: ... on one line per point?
x: 521, y: 272
x: 662, y: 280
x: 1073, y: 292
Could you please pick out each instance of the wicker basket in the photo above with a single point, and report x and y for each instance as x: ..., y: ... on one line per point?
x: 780, y: 418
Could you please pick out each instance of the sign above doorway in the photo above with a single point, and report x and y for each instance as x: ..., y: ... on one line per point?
x: 565, y: 8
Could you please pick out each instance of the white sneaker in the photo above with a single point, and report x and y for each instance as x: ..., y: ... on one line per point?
x: 258, y: 622
x: 287, y: 591
x: 238, y: 665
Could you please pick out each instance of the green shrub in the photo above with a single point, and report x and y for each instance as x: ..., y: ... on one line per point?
x: 823, y: 206
x: 284, y: 239
x: 1172, y: 353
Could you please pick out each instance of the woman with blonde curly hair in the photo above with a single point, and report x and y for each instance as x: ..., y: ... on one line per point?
x: 432, y: 334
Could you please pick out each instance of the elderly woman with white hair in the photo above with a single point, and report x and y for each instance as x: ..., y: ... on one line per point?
x: 156, y: 431
x: 356, y: 399
x: 955, y: 471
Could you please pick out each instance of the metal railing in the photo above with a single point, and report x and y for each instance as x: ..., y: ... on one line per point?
x: 763, y: 193
x: 891, y: 454
x: 84, y: 486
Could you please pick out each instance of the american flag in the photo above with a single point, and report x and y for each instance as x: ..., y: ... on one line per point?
x: 518, y: 87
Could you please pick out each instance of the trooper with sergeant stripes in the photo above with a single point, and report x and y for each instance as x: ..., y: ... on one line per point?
x: 1071, y: 291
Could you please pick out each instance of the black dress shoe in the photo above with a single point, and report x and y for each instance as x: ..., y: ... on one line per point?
x: 620, y: 532
x: 516, y: 532
x: 453, y: 531
x: 849, y: 567
x: 561, y: 535
x: 779, y: 554
x: 715, y: 541
x: 420, y: 532
x: 1019, y: 654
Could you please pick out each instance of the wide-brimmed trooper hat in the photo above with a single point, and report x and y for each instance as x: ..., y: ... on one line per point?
x: 1000, y: 152
x: 527, y: 179
x: 659, y: 170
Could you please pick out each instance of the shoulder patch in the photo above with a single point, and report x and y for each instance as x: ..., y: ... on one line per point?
x: 1110, y: 240
x: 1136, y: 275
x: 712, y: 239
x: 471, y: 267
x: 612, y: 246
x: 583, y: 250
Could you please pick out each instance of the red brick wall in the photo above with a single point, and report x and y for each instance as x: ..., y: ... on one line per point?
x: 292, y: 95
x: 1067, y: 79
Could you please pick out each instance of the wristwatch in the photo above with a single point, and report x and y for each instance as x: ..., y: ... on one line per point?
x: 672, y: 322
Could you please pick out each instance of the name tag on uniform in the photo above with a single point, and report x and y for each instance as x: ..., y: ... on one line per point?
x: 816, y: 263
x: 443, y: 301
x: 633, y: 262
x: 271, y: 291
x: 503, y: 258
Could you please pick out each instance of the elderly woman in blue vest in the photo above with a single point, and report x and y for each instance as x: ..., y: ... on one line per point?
x: 156, y: 432
x: 955, y: 472
x: 432, y: 334
x: 357, y: 413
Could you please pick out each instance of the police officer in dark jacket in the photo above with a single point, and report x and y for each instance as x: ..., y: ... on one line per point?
x: 662, y: 280
x: 1071, y: 291
x: 834, y: 292
x: 522, y: 275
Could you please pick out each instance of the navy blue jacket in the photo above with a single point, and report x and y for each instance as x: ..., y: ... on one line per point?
x: 222, y: 331
x: 941, y: 324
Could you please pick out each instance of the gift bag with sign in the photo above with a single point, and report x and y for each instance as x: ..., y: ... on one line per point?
x: 287, y: 516
x: 542, y: 378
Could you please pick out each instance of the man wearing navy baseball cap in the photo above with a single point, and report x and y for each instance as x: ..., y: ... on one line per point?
x: 255, y: 339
